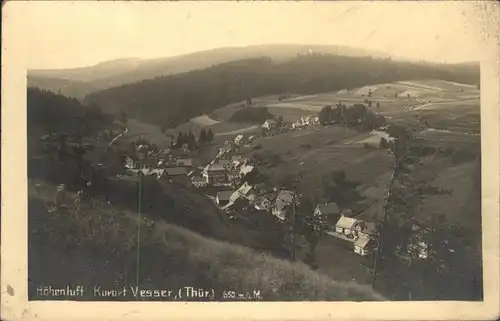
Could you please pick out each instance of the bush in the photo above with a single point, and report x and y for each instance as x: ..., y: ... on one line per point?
x: 339, y: 177
x: 366, y: 146
x: 383, y: 143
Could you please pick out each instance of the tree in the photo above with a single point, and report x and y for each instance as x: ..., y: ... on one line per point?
x: 369, y: 93
x: 123, y: 117
x: 190, y: 140
x: 339, y: 177
x: 203, y: 137
x: 210, y: 135
x: 369, y: 103
x: 377, y: 105
x: 180, y: 140
x: 280, y: 121
x: 383, y: 143
x: 325, y: 115
x: 310, y: 225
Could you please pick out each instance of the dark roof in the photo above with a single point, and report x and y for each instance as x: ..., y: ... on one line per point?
x: 328, y: 209
x: 172, y: 171
x: 224, y: 195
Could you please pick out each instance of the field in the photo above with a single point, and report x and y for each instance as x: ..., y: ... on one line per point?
x: 447, y: 104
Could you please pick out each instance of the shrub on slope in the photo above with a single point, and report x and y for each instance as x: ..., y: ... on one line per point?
x: 97, y: 245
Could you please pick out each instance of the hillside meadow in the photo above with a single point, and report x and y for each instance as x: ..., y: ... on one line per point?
x: 97, y: 244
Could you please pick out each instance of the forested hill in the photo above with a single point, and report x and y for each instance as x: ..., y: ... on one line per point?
x: 50, y: 112
x: 171, y: 100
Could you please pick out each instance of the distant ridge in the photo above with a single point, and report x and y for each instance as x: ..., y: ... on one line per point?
x: 81, y: 81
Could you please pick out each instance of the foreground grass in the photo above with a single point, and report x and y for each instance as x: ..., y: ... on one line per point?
x: 96, y: 244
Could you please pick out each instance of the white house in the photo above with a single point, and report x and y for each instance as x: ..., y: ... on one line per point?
x: 363, y: 245
x: 198, y: 182
x: 246, y: 169
x: 238, y: 139
x: 130, y: 163
x: 345, y: 225
x: 269, y: 124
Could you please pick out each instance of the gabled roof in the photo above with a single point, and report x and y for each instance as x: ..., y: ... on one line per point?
x: 346, y: 222
x: 245, y: 169
x: 224, y: 195
x: 328, y: 209
x: 369, y: 228
x: 362, y: 241
x: 245, y: 188
x: 215, y: 167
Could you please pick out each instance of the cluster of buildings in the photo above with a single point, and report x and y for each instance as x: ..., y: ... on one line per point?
x: 303, y: 122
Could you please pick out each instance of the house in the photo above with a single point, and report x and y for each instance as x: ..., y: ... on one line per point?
x: 228, y: 146
x: 306, y: 121
x: 223, y: 197
x: 282, y: 203
x: 363, y: 245
x: 330, y: 212
x: 345, y: 225
x: 233, y: 175
x: 269, y: 124
x: 198, y: 182
x: 246, y: 169
x: 329, y: 209
x: 262, y: 204
x: 242, y: 192
x: 215, y: 174
x: 175, y: 171
x: 237, y: 158
x: 188, y: 162
x: 227, y: 164
x: 131, y: 162
x: 238, y: 139
x: 366, y: 229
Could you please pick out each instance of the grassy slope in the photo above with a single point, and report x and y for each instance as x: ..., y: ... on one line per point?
x: 96, y: 245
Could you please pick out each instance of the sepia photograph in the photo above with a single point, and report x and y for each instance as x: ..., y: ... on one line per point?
x: 252, y: 152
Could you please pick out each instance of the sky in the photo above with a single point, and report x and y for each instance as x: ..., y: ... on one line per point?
x: 52, y: 34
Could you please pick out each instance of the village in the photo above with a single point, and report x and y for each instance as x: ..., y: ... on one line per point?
x: 232, y: 182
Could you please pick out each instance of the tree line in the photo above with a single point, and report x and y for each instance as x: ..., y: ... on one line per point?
x: 171, y: 100
x: 206, y: 136
x: 355, y: 115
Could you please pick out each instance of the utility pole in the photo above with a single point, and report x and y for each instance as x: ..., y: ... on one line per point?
x: 139, y: 212
x: 392, y: 179
x: 294, y: 214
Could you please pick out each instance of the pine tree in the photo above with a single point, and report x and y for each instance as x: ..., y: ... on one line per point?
x: 203, y: 137
x: 191, y: 141
x: 180, y: 140
x: 210, y: 135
